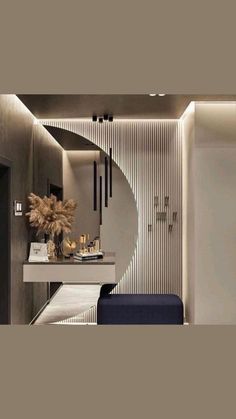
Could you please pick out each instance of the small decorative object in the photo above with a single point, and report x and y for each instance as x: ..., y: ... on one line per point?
x: 38, y: 252
x: 88, y: 256
x: 96, y: 244
x: 51, y: 216
x: 68, y: 246
x: 87, y: 247
x: 51, y: 249
x: 82, y: 241
x: 84, y: 238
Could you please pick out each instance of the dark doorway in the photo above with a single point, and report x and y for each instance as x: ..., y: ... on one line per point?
x: 58, y: 192
x: 5, y: 241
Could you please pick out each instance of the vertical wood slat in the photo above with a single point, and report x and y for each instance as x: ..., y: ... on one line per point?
x: 149, y: 153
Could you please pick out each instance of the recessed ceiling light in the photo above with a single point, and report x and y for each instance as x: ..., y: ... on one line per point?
x: 161, y: 94
x: 152, y: 94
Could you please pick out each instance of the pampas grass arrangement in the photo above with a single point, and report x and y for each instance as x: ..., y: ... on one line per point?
x: 50, y: 216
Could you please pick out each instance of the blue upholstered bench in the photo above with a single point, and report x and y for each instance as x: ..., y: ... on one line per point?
x: 139, y: 309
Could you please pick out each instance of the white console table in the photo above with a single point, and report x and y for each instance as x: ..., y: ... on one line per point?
x: 70, y: 271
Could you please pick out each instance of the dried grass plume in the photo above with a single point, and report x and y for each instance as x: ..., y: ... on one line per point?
x: 50, y: 215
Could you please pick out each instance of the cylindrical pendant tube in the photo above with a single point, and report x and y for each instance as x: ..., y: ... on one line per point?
x: 100, y: 200
x: 106, y: 182
x: 110, y: 173
x: 95, y: 186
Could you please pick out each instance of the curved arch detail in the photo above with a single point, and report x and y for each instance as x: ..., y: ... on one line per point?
x: 149, y: 153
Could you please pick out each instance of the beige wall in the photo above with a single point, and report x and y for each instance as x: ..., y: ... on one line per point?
x: 149, y: 153
x: 188, y: 212
x: 212, y: 239
x: 78, y: 184
x: 119, y: 230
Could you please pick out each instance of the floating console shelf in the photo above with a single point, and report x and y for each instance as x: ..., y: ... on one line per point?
x: 69, y: 271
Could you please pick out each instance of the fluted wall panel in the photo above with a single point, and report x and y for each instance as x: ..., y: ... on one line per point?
x: 149, y: 153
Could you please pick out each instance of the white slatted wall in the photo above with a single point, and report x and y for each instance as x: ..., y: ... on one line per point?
x: 149, y: 153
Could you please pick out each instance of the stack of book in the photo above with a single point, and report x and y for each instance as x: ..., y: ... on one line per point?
x: 88, y: 256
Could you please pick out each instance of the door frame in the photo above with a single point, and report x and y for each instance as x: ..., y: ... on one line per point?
x: 4, y: 162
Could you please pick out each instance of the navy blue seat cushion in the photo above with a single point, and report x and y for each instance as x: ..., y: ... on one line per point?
x: 139, y: 309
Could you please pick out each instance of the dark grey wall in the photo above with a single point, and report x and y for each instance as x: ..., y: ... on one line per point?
x: 47, y: 167
x: 25, y: 145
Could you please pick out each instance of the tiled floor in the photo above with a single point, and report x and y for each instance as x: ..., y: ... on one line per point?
x: 70, y: 301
